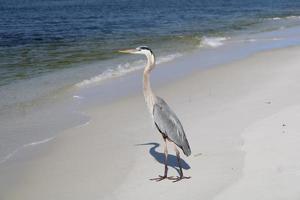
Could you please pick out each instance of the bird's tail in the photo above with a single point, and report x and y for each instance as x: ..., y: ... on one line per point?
x: 186, y: 148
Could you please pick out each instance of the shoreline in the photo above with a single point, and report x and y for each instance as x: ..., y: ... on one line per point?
x: 216, y: 105
x: 68, y: 110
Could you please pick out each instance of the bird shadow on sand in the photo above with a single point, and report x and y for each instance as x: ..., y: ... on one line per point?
x: 160, y: 157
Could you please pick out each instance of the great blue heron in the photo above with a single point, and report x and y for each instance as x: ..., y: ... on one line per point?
x: 165, y: 120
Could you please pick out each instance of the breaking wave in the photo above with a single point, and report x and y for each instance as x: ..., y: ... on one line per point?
x: 212, y: 41
x: 123, y: 69
x: 287, y: 17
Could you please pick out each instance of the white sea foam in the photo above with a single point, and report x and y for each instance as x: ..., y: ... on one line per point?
x: 123, y: 69
x: 77, y: 97
x: 276, y: 18
x: 10, y: 155
x: 82, y: 125
x: 212, y: 41
x: 251, y: 40
x: 7, y: 157
x: 168, y: 58
x: 257, y: 39
x: 282, y: 18
x: 293, y: 17
x: 38, y: 142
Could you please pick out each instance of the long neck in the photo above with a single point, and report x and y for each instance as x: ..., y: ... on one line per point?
x: 148, y: 94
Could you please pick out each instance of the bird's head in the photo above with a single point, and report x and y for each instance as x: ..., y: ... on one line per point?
x: 139, y: 50
x: 144, y: 50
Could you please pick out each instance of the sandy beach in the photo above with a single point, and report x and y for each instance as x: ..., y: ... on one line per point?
x: 242, y: 121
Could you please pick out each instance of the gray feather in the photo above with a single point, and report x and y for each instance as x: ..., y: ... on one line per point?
x: 169, y: 125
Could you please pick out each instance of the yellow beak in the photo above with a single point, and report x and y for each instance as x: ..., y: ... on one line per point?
x: 128, y: 51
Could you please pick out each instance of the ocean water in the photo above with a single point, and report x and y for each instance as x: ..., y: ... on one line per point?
x: 51, y: 47
x: 43, y: 36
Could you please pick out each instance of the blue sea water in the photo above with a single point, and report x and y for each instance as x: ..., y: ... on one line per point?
x: 42, y: 36
x: 50, y: 46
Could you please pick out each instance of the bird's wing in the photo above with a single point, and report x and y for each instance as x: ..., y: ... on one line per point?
x: 168, y: 123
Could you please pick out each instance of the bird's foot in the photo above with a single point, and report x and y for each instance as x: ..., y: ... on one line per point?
x: 160, y: 178
x: 179, y: 178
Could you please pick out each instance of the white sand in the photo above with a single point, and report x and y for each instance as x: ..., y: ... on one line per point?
x: 272, y: 165
x: 233, y: 116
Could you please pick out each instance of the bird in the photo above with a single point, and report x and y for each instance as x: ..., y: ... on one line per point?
x: 165, y: 120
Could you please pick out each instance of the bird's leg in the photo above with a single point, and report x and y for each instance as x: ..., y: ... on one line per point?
x: 180, y: 168
x: 166, y: 164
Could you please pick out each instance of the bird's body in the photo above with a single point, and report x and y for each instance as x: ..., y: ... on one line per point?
x: 169, y: 125
x: 165, y: 120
